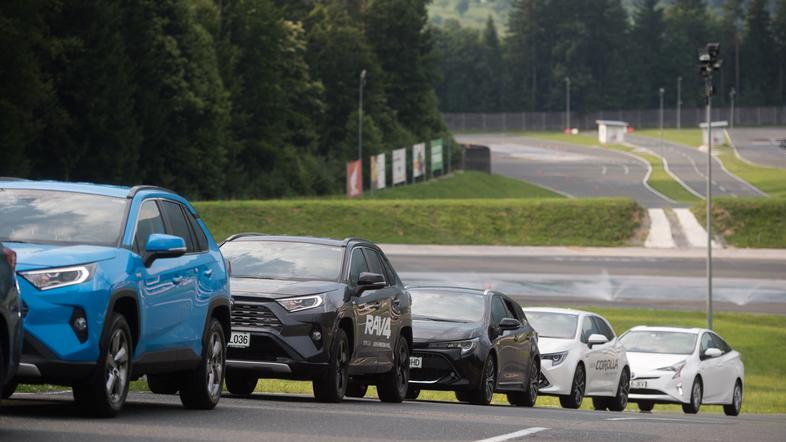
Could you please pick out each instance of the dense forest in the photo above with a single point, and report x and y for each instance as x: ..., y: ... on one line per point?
x: 616, y: 53
x: 212, y: 98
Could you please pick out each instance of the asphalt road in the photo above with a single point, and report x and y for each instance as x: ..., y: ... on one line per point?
x: 572, y: 170
x: 690, y: 166
x: 760, y: 145
x: 299, y: 418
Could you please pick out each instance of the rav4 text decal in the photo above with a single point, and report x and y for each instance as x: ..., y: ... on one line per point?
x: 377, y: 325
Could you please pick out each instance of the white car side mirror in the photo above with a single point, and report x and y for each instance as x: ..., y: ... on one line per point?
x: 712, y: 353
x: 597, y: 339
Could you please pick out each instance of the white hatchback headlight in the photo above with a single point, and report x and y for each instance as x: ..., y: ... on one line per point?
x: 555, y: 358
x: 49, y: 279
x: 676, y: 368
x: 301, y: 302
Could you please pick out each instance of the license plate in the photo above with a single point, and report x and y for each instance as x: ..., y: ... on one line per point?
x: 638, y: 384
x: 415, y: 362
x: 240, y: 340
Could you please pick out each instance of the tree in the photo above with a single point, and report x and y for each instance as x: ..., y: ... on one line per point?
x: 462, y: 6
x: 730, y: 28
x: 646, y: 55
x: 779, y: 35
x: 492, y: 69
x: 687, y: 30
x: 757, y: 56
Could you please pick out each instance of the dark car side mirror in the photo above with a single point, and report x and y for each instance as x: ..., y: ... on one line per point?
x: 509, y: 324
x: 370, y: 281
x: 163, y: 246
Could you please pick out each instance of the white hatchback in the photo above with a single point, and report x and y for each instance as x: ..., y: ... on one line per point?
x: 580, y: 356
x: 688, y: 366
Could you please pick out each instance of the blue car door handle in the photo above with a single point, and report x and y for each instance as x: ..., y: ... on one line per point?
x: 209, y: 273
x: 177, y: 280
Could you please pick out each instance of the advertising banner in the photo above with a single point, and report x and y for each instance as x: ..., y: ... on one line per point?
x: 400, y: 166
x: 436, y: 155
x: 418, y: 160
x: 380, y: 178
x: 354, y: 179
x: 372, y: 169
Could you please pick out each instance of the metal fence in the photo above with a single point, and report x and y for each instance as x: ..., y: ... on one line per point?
x: 641, y: 118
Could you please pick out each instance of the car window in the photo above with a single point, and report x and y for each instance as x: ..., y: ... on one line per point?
x: 391, y: 274
x: 587, y: 329
x: 199, y: 234
x: 498, y: 311
x: 603, y: 328
x: 148, y: 222
x: 706, y: 342
x: 720, y: 344
x: 178, y: 224
x: 357, y: 265
x: 511, y: 309
x: 374, y: 264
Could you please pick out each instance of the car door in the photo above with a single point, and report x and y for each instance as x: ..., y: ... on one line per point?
x: 523, y: 338
x: 726, y: 370
x: 504, y: 343
x: 710, y: 369
x: 365, y: 310
x: 389, y: 324
x: 607, y: 368
x: 592, y: 356
x: 161, y: 286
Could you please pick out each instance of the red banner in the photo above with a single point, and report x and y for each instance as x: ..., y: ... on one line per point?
x: 354, y: 179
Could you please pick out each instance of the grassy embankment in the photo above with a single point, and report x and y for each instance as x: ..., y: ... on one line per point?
x: 463, y: 185
x: 760, y: 339
x: 688, y: 137
x: 659, y: 179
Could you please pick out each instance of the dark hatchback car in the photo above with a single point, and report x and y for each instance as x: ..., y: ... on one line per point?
x: 10, y: 318
x: 330, y: 311
x: 473, y: 342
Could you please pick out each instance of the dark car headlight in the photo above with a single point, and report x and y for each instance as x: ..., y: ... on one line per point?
x: 49, y: 279
x: 555, y: 358
x: 466, y: 346
x: 301, y: 302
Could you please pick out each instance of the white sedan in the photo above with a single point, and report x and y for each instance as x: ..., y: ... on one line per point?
x: 580, y: 356
x: 688, y: 366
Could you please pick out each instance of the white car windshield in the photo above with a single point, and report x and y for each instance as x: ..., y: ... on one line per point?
x: 553, y: 325
x: 665, y: 342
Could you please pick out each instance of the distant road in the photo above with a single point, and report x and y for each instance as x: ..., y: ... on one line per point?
x: 760, y: 145
x: 572, y: 170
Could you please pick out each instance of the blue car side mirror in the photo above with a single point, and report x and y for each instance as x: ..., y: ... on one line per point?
x: 163, y: 246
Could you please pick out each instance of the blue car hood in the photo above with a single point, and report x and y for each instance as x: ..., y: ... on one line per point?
x: 42, y: 256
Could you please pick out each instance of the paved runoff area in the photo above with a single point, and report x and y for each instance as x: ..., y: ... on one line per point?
x: 571, y: 170
x: 744, y: 280
x: 150, y: 417
x: 762, y: 146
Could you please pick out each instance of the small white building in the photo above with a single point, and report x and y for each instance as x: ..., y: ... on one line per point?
x: 611, y: 132
x: 718, y: 133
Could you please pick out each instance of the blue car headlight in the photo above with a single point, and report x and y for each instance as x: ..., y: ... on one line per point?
x: 49, y: 279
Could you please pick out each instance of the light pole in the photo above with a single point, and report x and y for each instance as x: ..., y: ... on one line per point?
x: 360, y: 114
x: 661, y: 91
x: 732, y: 93
x: 567, y: 104
x: 709, y: 62
x: 679, y: 102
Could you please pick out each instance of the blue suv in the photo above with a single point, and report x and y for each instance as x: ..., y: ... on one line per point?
x: 117, y: 283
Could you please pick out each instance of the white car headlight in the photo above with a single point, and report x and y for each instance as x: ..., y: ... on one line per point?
x: 676, y: 368
x: 465, y: 346
x: 555, y: 358
x: 60, y: 277
x: 301, y: 302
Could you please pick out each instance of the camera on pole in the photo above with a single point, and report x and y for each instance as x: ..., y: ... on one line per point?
x: 709, y: 61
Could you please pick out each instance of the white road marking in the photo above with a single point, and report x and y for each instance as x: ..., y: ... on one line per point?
x: 514, y: 435
x: 627, y: 171
x: 603, y: 171
x: 693, y: 231
x: 659, y: 236
x: 645, y: 419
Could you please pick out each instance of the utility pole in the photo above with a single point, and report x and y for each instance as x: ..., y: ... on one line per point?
x: 661, y: 91
x: 679, y: 102
x: 709, y: 62
x: 360, y: 115
x: 732, y: 93
x: 567, y: 104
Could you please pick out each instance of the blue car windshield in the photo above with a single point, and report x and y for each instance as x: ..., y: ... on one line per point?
x: 56, y: 217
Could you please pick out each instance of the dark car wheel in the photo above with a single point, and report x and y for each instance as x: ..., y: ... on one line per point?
x: 393, y: 387
x: 8, y: 390
x: 484, y: 393
x: 162, y: 383
x: 620, y: 401
x: 332, y: 385
x: 105, y: 393
x: 462, y: 396
x: 733, y: 409
x: 696, y: 394
x: 576, y: 396
x: 240, y: 383
x: 356, y: 390
x: 201, y: 388
x: 413, y: 393
x: 600, y: 403
x: 646, y: 405
x: 529, y: 396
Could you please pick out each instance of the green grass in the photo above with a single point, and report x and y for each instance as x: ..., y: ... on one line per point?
x: 687, y: 137
x: 770, y: 180
x: 469, y: 184
x: 748, y: 222
x: 587, y: 222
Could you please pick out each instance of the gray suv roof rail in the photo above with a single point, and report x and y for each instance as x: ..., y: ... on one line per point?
x: 11, y: 178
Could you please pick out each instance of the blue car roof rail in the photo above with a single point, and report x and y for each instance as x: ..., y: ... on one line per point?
x: 136, y: 189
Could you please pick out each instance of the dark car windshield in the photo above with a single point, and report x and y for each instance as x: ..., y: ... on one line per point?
x: 665, y: 342
x: 47, y: 216
x: 447, y: 305
x: 553, y: 325
x: 283, y: 260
